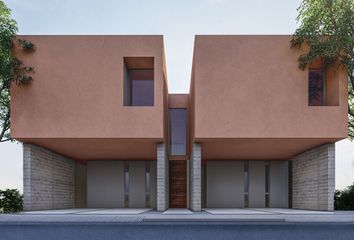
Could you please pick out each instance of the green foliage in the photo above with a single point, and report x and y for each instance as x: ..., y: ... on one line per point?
x: 11, y: 68
x: 11, y: 201
x: 327, y: 28
x: 344, y: 200
x: 26, y: 45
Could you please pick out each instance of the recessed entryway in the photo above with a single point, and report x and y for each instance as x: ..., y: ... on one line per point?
x: 178, y: 184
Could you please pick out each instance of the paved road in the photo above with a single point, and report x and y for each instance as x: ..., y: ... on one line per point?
x: 177, y: 230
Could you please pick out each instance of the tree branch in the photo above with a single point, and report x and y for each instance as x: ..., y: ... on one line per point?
x: 5, y: 126
x: 6, y: 140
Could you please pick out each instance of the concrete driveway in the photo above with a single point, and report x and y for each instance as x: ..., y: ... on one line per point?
x: 177, y: 211
x: 149, y: 215
x: 90, y: 211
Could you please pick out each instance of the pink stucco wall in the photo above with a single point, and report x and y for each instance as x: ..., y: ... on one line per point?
x: 251, y: 87
x: 77, y: 89
x: 74, y: 105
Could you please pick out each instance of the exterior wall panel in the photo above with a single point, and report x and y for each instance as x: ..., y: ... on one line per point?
x: 225, y: 185
x: 80, y: 185
x: 256, y: 184
x: 136, y: 184
x: 105, y: 184
x: 48, y: 179
x: 314, y: 178
x: 278, y: 191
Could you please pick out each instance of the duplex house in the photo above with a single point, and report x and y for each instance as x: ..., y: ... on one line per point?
x: 100, y: 130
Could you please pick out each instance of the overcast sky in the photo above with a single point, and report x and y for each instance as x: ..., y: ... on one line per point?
x: 178, y: 21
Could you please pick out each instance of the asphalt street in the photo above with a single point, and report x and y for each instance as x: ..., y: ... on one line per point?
x: 176, y: 230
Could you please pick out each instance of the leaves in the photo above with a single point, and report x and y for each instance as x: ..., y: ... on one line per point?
x: 11, y: 68
x: 327, y: 28
x: 26, y: 45
x: 11, y: 201
x: 344, y: 200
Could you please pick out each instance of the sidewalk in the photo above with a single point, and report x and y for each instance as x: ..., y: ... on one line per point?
x: 104, y: 216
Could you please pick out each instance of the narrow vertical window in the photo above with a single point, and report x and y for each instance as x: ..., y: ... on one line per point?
x: 126, y: 184
x: 290, y: 184
x: 246, y: 184
x: 267, y: 183
x: 178, y: 131
x: 147, y: 184
x: 316, y: 87
x: 138, y: 81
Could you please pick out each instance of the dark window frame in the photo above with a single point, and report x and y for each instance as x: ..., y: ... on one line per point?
x: 310, y: 102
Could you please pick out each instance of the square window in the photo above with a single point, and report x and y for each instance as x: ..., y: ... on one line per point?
x: 138, y: 81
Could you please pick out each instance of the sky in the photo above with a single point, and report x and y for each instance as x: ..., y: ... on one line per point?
x: 178, y: 21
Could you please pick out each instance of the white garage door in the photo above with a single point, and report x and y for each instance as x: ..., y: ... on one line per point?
x: 119, y: 184
x: 238, y: 184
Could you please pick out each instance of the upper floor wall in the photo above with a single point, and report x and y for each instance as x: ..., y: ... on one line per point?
x: 80, y: 88
x: 251, y: 87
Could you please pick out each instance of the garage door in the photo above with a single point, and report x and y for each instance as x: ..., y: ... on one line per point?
x: 224, y: 185
x: 119, y: 184
x: 238, y: 184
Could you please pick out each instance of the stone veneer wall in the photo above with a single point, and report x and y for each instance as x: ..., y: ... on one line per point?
x: 195, y: 178
x: 49, y: 180
x: 162, y: 178
x: 314, y: 178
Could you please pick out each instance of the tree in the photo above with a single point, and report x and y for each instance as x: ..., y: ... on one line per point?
x: 11, y: 68
x: 11, y: 201
x: 344, y: 200
x: 327, y: 28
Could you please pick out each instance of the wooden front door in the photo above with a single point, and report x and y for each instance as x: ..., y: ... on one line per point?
x: 178, y: 184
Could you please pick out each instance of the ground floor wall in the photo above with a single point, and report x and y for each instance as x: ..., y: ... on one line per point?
x: 314, y: 178
x: 53, y: 181
x: 50, y: 180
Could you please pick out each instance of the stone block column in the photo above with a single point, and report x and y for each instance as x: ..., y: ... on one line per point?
x: 314, y: 178
x: 162, y: 178
x: 195, y: 178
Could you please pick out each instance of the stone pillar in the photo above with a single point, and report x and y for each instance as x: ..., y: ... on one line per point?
x: 162, y: 178
x: 314, y: 178
x: 48, y: 179
x: 195, y: 178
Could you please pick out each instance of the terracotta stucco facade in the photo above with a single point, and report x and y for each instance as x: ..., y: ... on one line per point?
x: 248, y: 93
x: 246, y: 123
x: 75, y: 105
